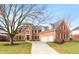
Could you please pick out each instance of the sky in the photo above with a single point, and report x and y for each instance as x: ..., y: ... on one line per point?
x: 61, y: 11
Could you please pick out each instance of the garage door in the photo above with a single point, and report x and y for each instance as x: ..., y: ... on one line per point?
x: 47, y: 39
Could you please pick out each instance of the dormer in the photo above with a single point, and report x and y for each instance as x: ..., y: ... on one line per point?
x: 50, y: 26
x: 43, y: 29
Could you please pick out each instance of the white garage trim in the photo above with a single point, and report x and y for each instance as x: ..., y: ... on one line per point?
x: 47, y: 39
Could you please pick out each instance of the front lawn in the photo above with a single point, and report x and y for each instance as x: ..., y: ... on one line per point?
x: 67, y: 48
x: 19, y: 48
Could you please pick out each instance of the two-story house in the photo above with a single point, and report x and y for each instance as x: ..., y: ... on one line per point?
x: 57, y: 32
x: 29, y: 32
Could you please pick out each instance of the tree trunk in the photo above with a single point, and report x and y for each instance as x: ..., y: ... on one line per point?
x: 11, y: 41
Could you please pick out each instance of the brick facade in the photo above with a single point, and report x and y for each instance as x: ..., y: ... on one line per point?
x: 29, y: 33
x: 60, y: 33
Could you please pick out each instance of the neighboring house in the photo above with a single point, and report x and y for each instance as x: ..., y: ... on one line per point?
x: 57, y: 32
x: 3, y: 36
x: 75, y: 33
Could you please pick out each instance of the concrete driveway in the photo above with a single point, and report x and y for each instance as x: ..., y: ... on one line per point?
x: 42, y: 48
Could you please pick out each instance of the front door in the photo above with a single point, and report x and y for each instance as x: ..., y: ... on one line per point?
x: 27, y: 37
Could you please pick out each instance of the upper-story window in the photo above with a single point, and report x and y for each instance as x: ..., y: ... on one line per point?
x: 35, y: 31
x: 62, y: 27
x: 27, y: 30
x: 32, y: 31
x: 39, y: 31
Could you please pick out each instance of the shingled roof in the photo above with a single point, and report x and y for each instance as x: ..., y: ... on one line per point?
x: 57, y: 24
x: 36, y: 27
x: 77, y: 28
x: 54, y: 26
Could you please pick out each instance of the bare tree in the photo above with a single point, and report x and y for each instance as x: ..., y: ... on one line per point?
x: 43, y: 19
x: 12, y: 16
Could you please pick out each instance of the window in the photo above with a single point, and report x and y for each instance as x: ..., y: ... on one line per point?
x: 27, y: 30
x: 63, y: 27
x: 60, y: 36
x: 64, y: 36
x: 57, y: 36
x: 35, y: 37
x: 39, y: 31
x: 32, y: 31
x: 38, y: 37
x: 35, y: 31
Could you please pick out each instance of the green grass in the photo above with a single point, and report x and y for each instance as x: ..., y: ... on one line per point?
x: 66, y: 48
x: 19, y: 48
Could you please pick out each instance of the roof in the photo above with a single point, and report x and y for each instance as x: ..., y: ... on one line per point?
x: 3, y: 34
x: 37, y: 27
x: 57, y: 24
x: 46, y: 29
x: 27, y: 23
x: 77, y: 28
x: 54, y: 26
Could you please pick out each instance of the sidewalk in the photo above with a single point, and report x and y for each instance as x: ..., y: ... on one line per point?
x: 42, y: 48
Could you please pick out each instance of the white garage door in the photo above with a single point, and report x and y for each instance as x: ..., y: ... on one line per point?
x: 47, y: 39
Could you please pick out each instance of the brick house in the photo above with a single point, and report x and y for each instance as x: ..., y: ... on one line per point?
x: 29, y: 32
x: 57, y: 32
x: 75, y: 33
x: 3, y: 36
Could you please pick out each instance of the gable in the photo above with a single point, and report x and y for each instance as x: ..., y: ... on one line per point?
x: 29, y: 27
x: 63, y: 26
